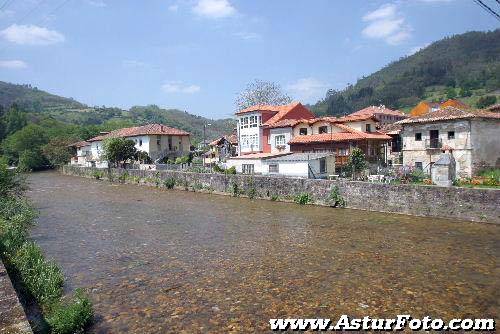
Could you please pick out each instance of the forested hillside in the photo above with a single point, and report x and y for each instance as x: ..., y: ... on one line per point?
x: 38, y: 104
x: 465, y: 66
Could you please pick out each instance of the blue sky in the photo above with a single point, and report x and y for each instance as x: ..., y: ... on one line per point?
x: 196, y: 55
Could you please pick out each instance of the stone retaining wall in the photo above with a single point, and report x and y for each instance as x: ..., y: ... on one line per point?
x: 419, y: 200
x: 12, y: 316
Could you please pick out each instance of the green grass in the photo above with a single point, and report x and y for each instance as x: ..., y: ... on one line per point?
x: 71, y: 317
x: 303, y: 198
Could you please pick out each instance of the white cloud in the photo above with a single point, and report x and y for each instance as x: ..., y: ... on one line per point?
x: 96, y: 3
x: 308, y: 89
x: 247, y: 35
x: 173, y: 8
x: 387, y: 24
x: 31, y: 35
x: 214, y: 9
x: 13, y: 64
x: 177, y: 87
x: 417, y: 48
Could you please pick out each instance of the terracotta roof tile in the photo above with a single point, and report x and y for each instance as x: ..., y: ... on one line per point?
x: 267, y: 107
x: 372, y: 110
x: 148, y: 129
x: 450, y: 113
x: 335, y: 137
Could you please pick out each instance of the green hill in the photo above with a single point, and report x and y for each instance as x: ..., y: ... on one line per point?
x: 466, y: 65
x: 39, y: 103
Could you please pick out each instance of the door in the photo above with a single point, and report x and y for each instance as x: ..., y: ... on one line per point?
x: 434, y: 138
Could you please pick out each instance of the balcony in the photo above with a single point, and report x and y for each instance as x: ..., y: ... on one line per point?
x: 433, y: 144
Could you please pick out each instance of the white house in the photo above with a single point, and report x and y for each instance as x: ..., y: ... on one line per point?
x: 471, y: 136
x: 157, y: 140
x: 306, y: 165
x: 82, y: 153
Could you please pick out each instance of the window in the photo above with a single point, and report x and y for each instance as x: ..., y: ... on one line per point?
x: 247, y: 168
x: 303, y: 131
x: 244, y: 122
x: 158, y: 140
x: 170, y: 143
x: 322, y: 165
x: 274, y: 168
x: 419, y: 165
x: 343, y: 151
x: 418, y: 136
x: 140, y: 142
x: 279, y: 140
x: 323, y: 129
x: 253, y: 121
x: 451, y: 134
x: 368, y: 128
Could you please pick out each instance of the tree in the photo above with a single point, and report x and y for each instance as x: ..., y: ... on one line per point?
x: 485, y: 101
x: 15, y: 120
x: 261, y: 92
x: 30, y: 138
x: 357, y: 161
x: 451, y: 93
x: 119, y: 150
x: 32, y: 160
x: 464, y: 92
x: 57, y: 151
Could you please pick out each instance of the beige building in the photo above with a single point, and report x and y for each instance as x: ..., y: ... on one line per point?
x: 472, y: 137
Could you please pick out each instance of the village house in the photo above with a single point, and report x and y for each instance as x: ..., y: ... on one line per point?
x: 383, y: 115
x: 471, y: 136
x: 340, y: 136
x: 157, y: 140
x: 394, y: 155
x: 82, y: 150
x: 221, y: 148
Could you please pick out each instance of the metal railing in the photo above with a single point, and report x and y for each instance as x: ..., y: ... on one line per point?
x: 433, y: 143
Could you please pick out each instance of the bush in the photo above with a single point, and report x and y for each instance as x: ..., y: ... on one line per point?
x: 43, y: 279
x: 486, y: 101
x: 274, y: 198
x: 97, y: 174
x: 231, y: 170
x: 67, y: 318
x: 169, y: 183
x: 252, y: 192
x: 337, y: 199
x: 234, y: 189
x: 303, y: 198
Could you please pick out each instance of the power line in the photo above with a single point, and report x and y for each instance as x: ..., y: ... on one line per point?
x: 31, y: 11
x: 61, y: 5
x: 6, y: 4
x: 488, y: 9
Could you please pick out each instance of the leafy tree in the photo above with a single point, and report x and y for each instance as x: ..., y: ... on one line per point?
x: 357, y: 161
x: 464, y: 92
x: 143, y: 157
x: 451, y: 93
x: 119, y: 150
x: 32, y: 160
x: 30, y: 138
x: 15, y: 120
x: 57, y: 151
x: 261, y: 92
x: 485, y: 101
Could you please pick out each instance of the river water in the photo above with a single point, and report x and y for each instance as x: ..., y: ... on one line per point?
x: 157, y: 261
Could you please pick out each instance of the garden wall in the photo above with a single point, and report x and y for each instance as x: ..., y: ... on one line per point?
x: 419, y: 200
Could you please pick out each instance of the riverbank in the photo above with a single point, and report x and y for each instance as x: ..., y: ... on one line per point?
x: 480, y: 205
x: 13, y: 319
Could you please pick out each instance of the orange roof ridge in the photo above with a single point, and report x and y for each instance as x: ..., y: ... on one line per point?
x: 142, y: 130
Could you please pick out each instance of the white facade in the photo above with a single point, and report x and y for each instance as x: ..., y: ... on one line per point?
x: 279, y: 138
x: 249, y: 132
x: 245, y: 166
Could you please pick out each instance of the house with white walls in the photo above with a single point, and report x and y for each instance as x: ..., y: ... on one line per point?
x: 82, y: 153
x: 157, y: 140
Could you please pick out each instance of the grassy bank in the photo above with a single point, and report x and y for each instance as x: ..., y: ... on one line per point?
x: 37, y: 279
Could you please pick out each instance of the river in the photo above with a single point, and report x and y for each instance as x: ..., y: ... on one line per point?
x: 157, y: 261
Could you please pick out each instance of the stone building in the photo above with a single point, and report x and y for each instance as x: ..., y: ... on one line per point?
x: 471, y: 136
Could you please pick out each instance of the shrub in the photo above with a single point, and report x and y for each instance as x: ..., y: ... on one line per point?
x: 42, y: 278
x: 337, y: 199
x: 274, y: 197
x: 231, y: 170
x: 234, y: 189
x: 67, y: 318
x: 303, y: 198
x: 97, y: 174
x: 123, y: 177
x: 252, y: 193
x: 169, y: 183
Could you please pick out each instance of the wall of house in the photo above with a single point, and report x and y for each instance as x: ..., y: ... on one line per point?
x: 254, y: 131
x: 415, y: 151
x: 361, y: 125
x: 238, y: 164
x: 287, y: 132
x: 288, y: 168
x: 296, y: 129
x: 430, y: 201
x: 486, y: 144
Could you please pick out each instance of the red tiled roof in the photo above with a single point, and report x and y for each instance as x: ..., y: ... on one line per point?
x: 267, y: 107
x: 354, y: 118
x: 260, y: 155
x: 372, y: 110
x: 335, y: 137
x: 391, y: 129
x: 149, y: 129
x: 80, y: 144
x: 232, y: 139
x: 450, y: 113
